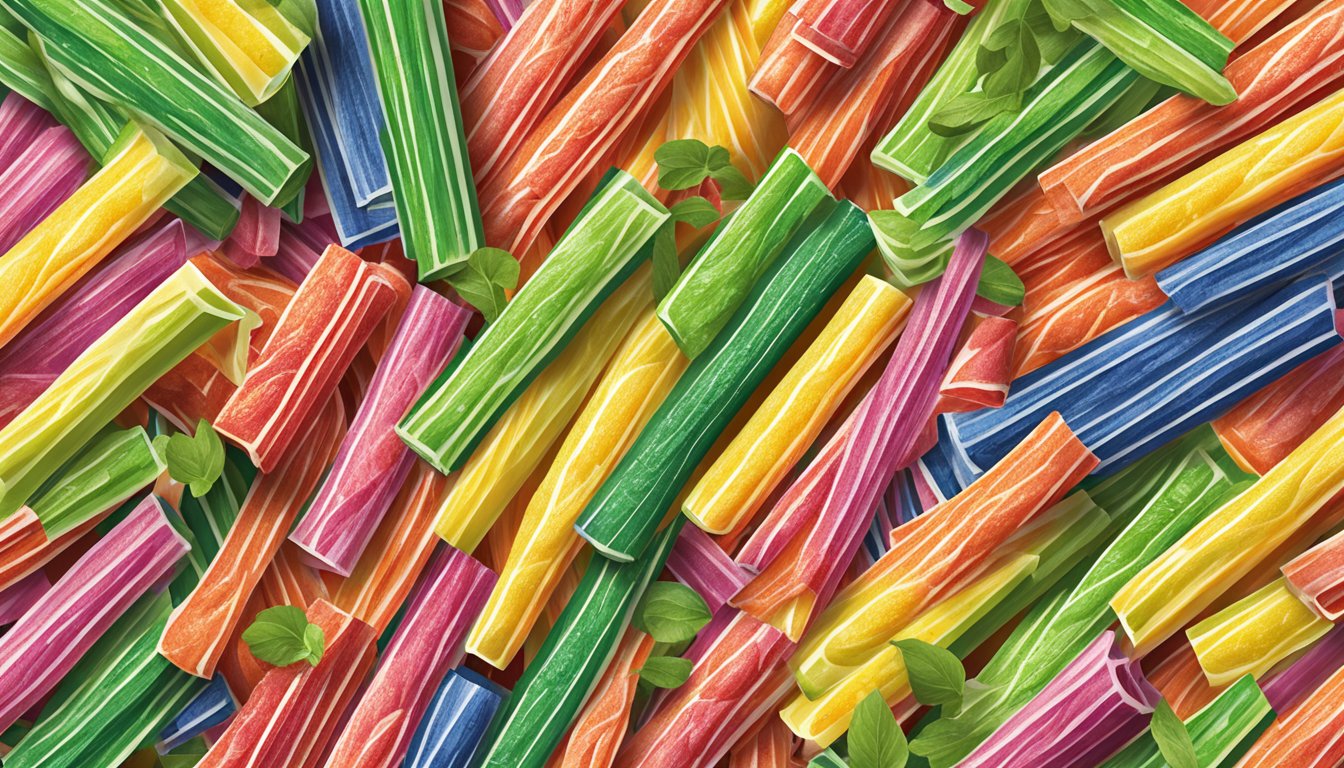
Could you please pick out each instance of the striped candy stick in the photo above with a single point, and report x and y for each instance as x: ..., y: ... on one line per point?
x: 249, y: 46
x: 1254, y: 634
x: 332, y: 314
x: 601, y: 725
x: 982, y: 368
x: 426, y: 644
x: 701, y: 564
x: 790, y: 75
x: 17, y: 598
x: 635, y: 383
x: 1307, y: 735
x: 424, y: 145
x: 84, y: 602
x: 111, y: 468
x: 373, y: 462
x: 175, y: 318
x: 1315, y: 578
x: 44, y: 176
x: 197, y: 631
x: 1219, y: 732
x: 451, y: 731
x: 143, y: 171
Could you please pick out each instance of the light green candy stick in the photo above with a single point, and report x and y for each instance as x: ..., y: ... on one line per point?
x: 179, y: 316
x: 595, y: 255
x: 20, y: 69
x: 721, y: 275
x: 1221, y: 732
x: 102, y: 49
x: 425, y: 146
x: 105, y: 473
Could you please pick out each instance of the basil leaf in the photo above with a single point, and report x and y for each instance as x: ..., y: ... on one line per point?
x: 696, y: 211
x: 999, y: 283
x: 968, y: 111
x: 936, y: 674
x: 671, y: 612
x: 875, y: 738
x: 195, y: 461
x: 1173, y: 740
x: 684, y: 163
x: 666, y: 265
x: 1022, y: 63
x: 732, y: 182
x: 1064, y: 12
x: 281, y: 636
x: 488, y: 273
x: 665, y: 671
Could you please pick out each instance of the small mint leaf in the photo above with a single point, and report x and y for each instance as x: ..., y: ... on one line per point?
x: 936, y: 674
x: 488, y: 273
x: 1173, y: 740
x: 959, y: 7
x: 1000, y: 284
x: 734, y: 185
x: 198, y: 460
x: 315, y: 642
x: 684, y: 163
x: 671, y: 612
x: 875, y: 738
x: 279, y: 635
x: 665, y: 671
x: 695, y: 211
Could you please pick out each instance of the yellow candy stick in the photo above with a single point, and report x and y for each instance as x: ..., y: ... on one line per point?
x: 758, y: 458
x: 155, y: 335
x: 518, y: 441
x: 1231, y: 542
x: 1252, y: 635
x: 143, y: 171
x: 710, y: 100
x: 1299, y: 153
x: 635, y: 383
x: 247, y: 44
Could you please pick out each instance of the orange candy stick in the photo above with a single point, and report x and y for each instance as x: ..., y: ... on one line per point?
x: 790, y: 74
x: 1316, y: 577
x: 982, y: 368
x: 197, y: 631
x: 1307, y: 736
x: 601, y: 725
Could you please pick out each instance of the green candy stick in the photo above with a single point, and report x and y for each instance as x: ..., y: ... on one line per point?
x: 597, y: 253
x: 721, y: 275
x: 622, y: 517
x: 1221, y: 732
x: 102, y: 475
x: 574, y: 655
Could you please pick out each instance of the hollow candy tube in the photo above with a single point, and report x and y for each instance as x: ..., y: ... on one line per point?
x: 1317, y: 578
x: 1307, y: 736
x: 454, y: 725
x: 1254, y: 634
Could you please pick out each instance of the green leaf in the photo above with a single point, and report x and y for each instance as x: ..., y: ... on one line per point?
x: 936, y: 674
x: 875, y: 738
x: 666, y: 264
x: 827, y: 759
x: 999, y: 283
x: 959, y: 7
x: 1053, y: 43
x: 281, y: 636
x: 968, y: 111
x: 160, y: 444
x: 671, y: 612
x: 684, y: 163
x: 488, y: 273
x: 696, y: 211
x: 665, y: 671
x: 196, y: 461
x: 1022, y: 61
x: 1173, y: 740
x: 732, y: 183
x: 1064, y: 12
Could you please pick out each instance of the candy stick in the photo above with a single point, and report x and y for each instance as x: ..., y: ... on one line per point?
x: 1075, y: 293
x: 1307, y: 735
x: 826, y: 717
x: 1287, y: 687
x: 257, y: 231
x: 601, y: 725
x: 739, y: 252
x: 426, y: 644
x: 1314, y: 578
x: 24, y: 546
x: 175, y: 318
x: 846, y: 115
x: 518, y: 442
x: 639, y: 377
x: 17, y: 598
x: 456, y: 721
x: 425, y: 148
x: 1181, y: 370
x: 580, y: 646
x: 701, y: 564
x: 1219, y: 732
x: 103, y: 474
x: 22, y: 121
x: 583, y: 127
x: 399, y: 549
x: 1180, y: 679
x: 373, y: 462
x: 211, y: 707
x: 1257, y: 174
x: 196, y: 633
x: 21, y: 69
x: 880, y: 438
x: 1188, y: 488
x: 1273, y: 79
x: 52, y: 635
x: 289, y: 717
x: 769, y: 747
x: 980, y: 372
x: 250, y: 47
x: 475, y: 29
x: 142, y: 173
x: 1096, y: 705
x: 623, y: 516
x: 937, y: 550
x: 329, y: 319
x: 1230, y: 542
x: 1296, y: 237
x: 39, y: 180
x: 791, y: 74
x: 792, y: 415
x: 841, y: 30
x: 595, y: 256
x: 1254, y: 634
x: 690, y: 728
x: 512, y: 89
x: 103, y: 49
